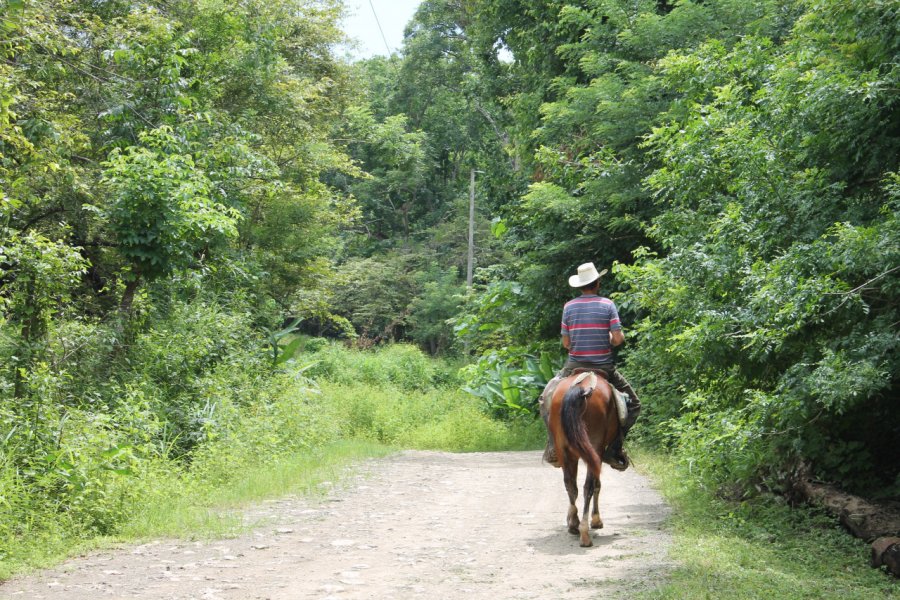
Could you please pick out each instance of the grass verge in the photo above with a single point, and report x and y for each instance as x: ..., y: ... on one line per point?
x: 173, y: 504
x: 757, y: 549
x: 432, y: 419
x: 212, y: 511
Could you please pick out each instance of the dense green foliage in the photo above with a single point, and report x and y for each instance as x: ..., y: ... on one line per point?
x: 737, y: 162
x: 184, y: 184
x: 774, y: 302
x: 159, y: 181
x: 161, y: 206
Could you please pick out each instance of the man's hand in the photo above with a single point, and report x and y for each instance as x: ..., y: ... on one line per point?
x: 616, y: 337
x: 565, y: 342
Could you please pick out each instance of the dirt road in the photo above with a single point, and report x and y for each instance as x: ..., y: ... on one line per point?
x: 416, y: 525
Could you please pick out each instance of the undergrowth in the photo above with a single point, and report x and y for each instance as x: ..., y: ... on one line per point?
x: 757, y: 549
x: 256, y: 434
x: 402, y: 399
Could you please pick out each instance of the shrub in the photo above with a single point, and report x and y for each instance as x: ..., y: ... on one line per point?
x: 315, y: 344
x: 286, y: 418
x: 509, y: 381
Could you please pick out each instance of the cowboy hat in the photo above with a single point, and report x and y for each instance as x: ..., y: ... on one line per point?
x: 587, y: 274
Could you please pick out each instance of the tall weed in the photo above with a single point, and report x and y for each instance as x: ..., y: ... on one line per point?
x: 400, y: 365
x: 434, y: 419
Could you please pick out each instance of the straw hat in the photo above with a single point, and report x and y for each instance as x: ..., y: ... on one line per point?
x: 587, y: 274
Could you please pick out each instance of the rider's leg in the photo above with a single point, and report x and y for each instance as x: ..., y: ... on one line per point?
x: 615, y: 455
x: 544, y: 403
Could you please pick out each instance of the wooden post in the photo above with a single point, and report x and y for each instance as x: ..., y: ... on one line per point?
x: 471, y: 258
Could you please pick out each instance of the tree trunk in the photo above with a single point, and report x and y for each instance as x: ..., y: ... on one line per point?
x: 864, y: 519
x: 124, y: 315
x: 33, y: 331
x: 128, y: 296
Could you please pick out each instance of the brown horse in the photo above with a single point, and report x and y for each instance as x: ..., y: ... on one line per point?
x: 583, y: 420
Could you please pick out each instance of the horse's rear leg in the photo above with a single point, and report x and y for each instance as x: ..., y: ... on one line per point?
x: 589, y: 490
x: 596, y: 521
x: 570, y: 474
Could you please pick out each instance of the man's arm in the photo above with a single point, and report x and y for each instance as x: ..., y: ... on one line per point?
x: 565, y: 342
x: 616, y: 337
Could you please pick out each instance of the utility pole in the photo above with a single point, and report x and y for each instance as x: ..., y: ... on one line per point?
x: 471, y: 260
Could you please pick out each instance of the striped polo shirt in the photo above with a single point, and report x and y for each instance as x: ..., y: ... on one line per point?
x: 587, y: 321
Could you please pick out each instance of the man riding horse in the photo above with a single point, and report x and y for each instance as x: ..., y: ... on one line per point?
x: 590, y: 330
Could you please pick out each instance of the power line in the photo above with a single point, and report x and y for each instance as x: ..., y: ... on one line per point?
x: 377, y: 22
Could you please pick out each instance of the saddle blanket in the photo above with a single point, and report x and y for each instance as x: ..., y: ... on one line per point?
x: 618, y: 397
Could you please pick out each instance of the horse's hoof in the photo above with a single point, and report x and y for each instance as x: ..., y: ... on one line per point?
x: 587, y: 543
x: 598, y: 524
x: 574, y: 530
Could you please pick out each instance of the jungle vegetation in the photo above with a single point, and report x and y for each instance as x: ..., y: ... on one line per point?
x: 199, y: 200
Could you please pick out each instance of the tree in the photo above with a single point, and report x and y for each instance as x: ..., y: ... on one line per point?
x: 161, y: 213
x: 769, y: 335
x: 584, y: 92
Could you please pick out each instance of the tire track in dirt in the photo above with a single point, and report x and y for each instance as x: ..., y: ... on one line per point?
x: 414, y: 525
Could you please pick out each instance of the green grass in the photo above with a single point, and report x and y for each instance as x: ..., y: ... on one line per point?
x: 174, y: 504
x: 758, y: 549
x: 203, y: 511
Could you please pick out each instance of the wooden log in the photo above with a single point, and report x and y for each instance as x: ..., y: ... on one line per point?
x: 880, y: 546
x: 886, y: 551
x: 891, y: 559
x: 872, y: 522
x: 864, y: 519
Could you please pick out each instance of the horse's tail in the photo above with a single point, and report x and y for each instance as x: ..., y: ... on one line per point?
x: 573, y: 408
